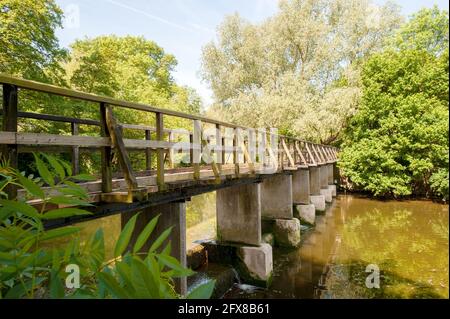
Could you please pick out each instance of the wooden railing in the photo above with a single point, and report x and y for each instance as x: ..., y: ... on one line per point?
x: 292, y: 152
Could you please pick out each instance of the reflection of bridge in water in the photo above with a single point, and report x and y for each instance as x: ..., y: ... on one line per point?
x: 259, y: 176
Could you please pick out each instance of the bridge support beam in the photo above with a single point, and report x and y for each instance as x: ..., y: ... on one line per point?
x: 276, y: 197
x: 316, y: 198
x: 239, y: 222
x: 172, y: 215
x: 301, y: 187
x: 277, y: 210
x: 323, y: 172
x: 239, y: 214
x: 331, y: 185
x: 301, y: 190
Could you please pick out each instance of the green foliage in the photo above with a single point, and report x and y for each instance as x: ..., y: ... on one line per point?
x: 427, y: 30
x: 30, y: 267
x: 299, y: 70
x: 399, y: 138
x: 28, y: 44
x: 439, y: 183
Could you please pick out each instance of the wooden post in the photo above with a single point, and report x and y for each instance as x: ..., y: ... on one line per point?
x: 251, y: 145
x: 9, y: 121
x: 219, y: 153
x: 262, y: 137
x: 236, y: 146
x: 148, y: 152
x: 171, y: 152
x: 115, y: 131
x: 197, y: 145
x: 75, y: 151
x: 191, y: 149
x: 106, y: 153
x: 160, y: 152
x: 224, y: 160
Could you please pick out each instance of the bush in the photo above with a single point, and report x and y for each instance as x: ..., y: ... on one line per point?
x: 30, y: 268
x: 397, y: 143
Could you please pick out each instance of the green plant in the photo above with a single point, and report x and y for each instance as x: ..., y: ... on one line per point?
x: 31, y: 268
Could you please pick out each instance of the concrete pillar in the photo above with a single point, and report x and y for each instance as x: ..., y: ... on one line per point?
x: 171, y: 215
x: 336, y: 173
x: 301, y: 186
x: 327, y: 193
x: 316, y: 198
x: 330, y: 174
x: 319, y: 202
x: 323, y: 172
x: 276, y: 197
x: 331, y: 185
x: 307, y: 213
x: 333, y: 190
x: 239, y: 221
x: 314, y: 180
x: 255, y: 264
x: 239, y: 214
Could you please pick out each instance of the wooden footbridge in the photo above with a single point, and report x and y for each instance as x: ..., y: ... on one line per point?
x: 232, y: 157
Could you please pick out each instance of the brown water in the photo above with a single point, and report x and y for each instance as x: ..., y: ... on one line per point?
x: 408, y: 241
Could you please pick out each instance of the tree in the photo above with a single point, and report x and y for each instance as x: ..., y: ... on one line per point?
x: 28, y: 44
x: 399, y: 138
x: 302, y: 62
x: 397, y: 144
x: 427, y: 30
x: 132, y: 69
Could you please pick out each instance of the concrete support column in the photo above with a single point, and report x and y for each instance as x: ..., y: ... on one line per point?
x: 331, y: 185
x: 239, y: 221
x: 305, y: 211
x: 277, y: 210
x: 301, y: 186
x: 323, y: 172
x: 314, y: 180
x: 276, y: 197
x: 316, y: 198
x: 330, y: 174
x: 172, y: 215
x: 239, y: 214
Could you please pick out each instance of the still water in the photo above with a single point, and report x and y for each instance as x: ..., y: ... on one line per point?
x: 406, y: 240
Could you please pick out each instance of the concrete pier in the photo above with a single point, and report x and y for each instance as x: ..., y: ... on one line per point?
x: 330, y: 174
x: 301, y: 187
x: 307, y: 213
x: 171, y: 215
x: 316, y: 198
x: 324, y: 176
x: 276, y: 197
x: 277, y: 210
x: 314, y: 180
x: 319, y: 202
x: 239, y: 222
x: 239, y: 214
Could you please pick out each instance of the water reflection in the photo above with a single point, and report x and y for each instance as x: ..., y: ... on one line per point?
x: 408, y: 241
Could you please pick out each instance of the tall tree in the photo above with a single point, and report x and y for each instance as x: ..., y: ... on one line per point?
x: 397, y: 144
x: 298, y: 70
x: 28, y: 44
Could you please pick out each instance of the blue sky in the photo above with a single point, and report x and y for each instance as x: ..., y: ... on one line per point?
x: 181, y: 27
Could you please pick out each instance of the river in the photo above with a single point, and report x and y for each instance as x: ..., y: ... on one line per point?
x: 407, y: 241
